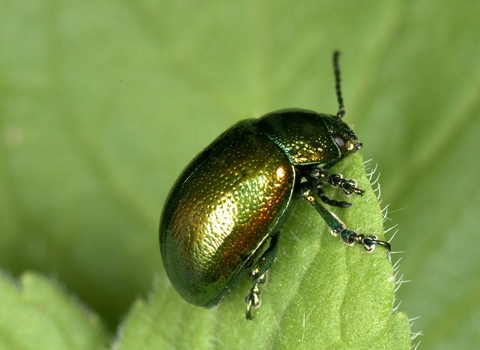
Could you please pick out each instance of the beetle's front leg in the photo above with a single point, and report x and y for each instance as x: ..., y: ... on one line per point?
x: 348, y: 186
x: 323, y: 176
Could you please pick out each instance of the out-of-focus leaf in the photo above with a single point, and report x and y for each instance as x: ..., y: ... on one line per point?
x: 37, y: 314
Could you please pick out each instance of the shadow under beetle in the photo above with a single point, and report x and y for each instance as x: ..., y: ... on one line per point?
x: 222, y: 218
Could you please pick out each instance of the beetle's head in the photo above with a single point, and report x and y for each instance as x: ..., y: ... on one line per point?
x: 342, y: 135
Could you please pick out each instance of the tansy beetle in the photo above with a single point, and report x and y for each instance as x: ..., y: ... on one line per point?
x: 222, y: 218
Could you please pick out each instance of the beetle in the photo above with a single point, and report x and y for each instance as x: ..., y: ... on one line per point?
x: 222, y: 218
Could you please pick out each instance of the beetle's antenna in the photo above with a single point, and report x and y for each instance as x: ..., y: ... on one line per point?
x: 336, y: 70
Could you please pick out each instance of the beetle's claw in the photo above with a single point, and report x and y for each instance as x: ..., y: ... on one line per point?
x: 252, y: 300
x: 372, y: 241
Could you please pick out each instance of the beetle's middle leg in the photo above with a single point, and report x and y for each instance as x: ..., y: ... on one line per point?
x: 259, y: 274
x: 337, y: 227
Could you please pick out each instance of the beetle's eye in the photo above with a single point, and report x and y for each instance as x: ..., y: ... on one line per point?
x: 340, y: 141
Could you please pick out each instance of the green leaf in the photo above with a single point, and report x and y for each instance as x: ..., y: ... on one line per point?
x: 320, y: 294
x: 37, y: 314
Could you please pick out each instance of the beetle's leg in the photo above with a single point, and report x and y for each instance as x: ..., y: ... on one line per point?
x: 348, y: 186
x: 321, y: 177
x: 259, y: 274
x: 329, y: 201
x: 368, y: 242
x: 336, y: 226
x: 253, y: 298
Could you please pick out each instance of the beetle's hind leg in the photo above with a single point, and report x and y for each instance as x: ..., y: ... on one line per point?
x: 259, y: 274
x: 253, y: 298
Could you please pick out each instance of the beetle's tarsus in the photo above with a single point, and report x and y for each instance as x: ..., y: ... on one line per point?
x: 368, y: 242
x: 348, y: 186
x: 322, y: 176
x: 253, y: 298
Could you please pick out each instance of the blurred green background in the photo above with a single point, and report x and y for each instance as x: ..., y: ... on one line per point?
x: 102, y: 104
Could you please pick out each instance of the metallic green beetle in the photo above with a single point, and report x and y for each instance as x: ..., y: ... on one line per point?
x: 222, y: 218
